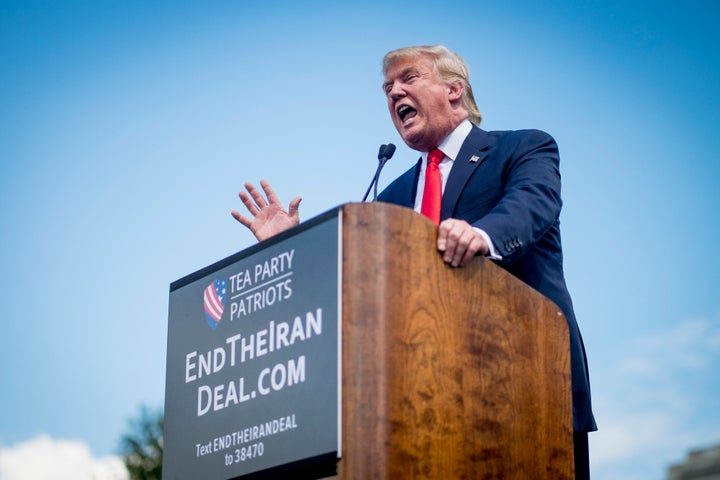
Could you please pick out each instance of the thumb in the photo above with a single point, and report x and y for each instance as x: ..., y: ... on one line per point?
x: 294, y: 207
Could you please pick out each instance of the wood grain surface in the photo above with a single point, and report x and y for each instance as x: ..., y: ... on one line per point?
x: 448, y: 373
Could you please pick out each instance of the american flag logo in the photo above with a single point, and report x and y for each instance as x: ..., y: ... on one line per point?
x: 214, y: 302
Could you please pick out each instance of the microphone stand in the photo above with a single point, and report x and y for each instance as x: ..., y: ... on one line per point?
x: 386, y: 152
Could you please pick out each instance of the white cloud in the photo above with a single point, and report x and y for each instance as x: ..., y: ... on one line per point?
x: 629, y: 435
x: 653, y: 399
x: 690, y: 344
x: 43, y: 458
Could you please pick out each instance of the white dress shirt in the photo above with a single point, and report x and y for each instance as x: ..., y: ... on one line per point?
x: 451, y: 148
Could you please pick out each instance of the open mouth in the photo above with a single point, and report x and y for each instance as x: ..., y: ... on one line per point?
x: 406, y: 112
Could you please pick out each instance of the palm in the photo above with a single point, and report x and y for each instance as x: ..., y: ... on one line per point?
x: 268, y: 215
x: 271, y: 220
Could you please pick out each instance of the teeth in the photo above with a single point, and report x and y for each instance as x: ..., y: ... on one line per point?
x: 403, y: 110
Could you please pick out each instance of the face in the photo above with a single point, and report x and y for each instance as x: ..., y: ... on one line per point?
x: 423, y: 107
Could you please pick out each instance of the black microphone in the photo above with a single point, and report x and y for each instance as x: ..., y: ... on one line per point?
x: 386, y: 152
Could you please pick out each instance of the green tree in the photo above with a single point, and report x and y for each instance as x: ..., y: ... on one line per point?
x: 142, y: 446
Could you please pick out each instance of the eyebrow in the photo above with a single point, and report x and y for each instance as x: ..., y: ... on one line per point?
x: 402, y: 73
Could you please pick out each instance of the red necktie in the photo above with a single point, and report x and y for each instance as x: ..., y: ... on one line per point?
x: 432, y: 193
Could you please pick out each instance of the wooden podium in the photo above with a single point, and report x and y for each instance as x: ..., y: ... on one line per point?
x: 447, y: 373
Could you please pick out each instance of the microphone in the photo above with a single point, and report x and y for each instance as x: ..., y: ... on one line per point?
x: 386, y: 152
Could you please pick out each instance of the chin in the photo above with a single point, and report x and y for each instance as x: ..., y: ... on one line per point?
x: 417, y: 145
x: 413, y: 141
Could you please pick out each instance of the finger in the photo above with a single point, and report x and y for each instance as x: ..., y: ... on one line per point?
x: 470, y: 251
x: 459, y: 239
x: 241, y: 218
x: 256, y: 195
x: 294, y: 207
x: 269, y: 192
x: 249, y: 204
x: 456, y: 255
x: 476, y: 246
x: 443, y: 230
x: 453, y: 249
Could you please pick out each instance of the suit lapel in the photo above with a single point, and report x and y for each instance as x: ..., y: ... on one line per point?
x: 406, y: 186
x: 473, y: 153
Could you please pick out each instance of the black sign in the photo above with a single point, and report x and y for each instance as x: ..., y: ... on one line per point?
x: 252, y: 361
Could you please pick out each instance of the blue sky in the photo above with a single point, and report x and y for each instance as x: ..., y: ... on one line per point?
x: 127, y: 129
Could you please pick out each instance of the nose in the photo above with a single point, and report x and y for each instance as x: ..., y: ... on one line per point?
x: 396, y: 91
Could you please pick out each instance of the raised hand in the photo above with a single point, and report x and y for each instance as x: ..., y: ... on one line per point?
x: 268, y: 216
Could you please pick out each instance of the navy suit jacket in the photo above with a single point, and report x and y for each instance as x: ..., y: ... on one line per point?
x: 508, y: 184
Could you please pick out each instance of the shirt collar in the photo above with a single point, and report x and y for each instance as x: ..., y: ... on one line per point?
x: 453, y: 142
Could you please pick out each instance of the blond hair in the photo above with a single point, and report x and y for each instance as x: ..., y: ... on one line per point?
x: 447, y: 64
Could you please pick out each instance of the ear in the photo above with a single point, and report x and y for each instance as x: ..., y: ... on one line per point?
x: 455, y: 91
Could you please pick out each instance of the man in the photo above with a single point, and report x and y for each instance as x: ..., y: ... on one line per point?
x: 497, y: 193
